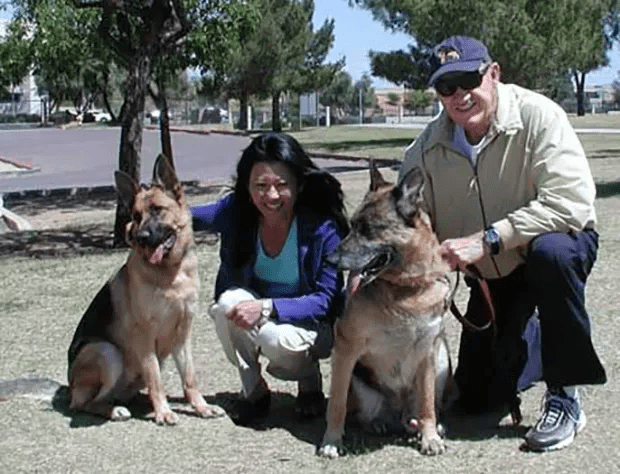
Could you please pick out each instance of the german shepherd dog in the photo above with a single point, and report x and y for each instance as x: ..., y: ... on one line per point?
x: 144, y: 312
x: 390, y: 362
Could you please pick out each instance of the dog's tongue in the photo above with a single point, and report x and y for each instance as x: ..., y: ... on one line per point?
x: 157, y: 256
x: 353, y: 284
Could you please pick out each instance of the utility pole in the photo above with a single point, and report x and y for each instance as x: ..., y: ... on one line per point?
x: 361, y: 106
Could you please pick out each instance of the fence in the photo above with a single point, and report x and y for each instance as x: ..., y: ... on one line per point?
x: 21, y: 110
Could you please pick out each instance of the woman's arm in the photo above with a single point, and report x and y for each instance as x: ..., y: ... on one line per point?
x: 212, y: 216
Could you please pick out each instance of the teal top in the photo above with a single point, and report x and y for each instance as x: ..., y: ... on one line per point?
x: 278, y: 276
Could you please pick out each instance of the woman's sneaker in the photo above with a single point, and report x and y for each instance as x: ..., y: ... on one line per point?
x: 561, y: 419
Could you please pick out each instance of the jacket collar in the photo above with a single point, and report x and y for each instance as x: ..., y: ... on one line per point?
x: 507, y: 120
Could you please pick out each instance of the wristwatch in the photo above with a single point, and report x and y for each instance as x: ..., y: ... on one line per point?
x: 265, y: 312
x: 491, y: 240
x: 267, y: 308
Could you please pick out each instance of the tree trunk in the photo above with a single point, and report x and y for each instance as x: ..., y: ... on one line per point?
x: 164, y: 121
x: 243, y: 112
x: 131, y: 137
x: 106, y: 104
x: 580, y: 79
x: 276, y: 123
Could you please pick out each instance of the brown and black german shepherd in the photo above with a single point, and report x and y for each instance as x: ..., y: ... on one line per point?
x: 144, y: 312
x: 390, y: 362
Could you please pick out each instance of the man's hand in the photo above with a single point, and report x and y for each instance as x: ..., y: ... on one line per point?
x: 464, y: 251
x: 246, y: 314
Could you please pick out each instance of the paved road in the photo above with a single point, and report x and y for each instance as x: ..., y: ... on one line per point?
x: 87, y: 157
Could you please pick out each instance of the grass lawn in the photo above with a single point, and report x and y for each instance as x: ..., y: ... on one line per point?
x: 42, y: 300
x: 389, y: 142
x: 360, y: 141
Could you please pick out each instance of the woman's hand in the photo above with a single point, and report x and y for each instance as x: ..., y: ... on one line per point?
x: 464, y: 251
x: 246, y: 314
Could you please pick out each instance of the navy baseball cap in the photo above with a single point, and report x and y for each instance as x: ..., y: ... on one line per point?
x: 459, y: 54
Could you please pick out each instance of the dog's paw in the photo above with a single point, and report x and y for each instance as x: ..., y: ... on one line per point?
x: 120, y: 413
x: 210, y: 411
x: 432, y: 445
x: 167, y: 417
x: 430, y: 437
x: 330, y: 450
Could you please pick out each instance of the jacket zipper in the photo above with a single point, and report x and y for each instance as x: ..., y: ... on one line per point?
x: 484, y: 216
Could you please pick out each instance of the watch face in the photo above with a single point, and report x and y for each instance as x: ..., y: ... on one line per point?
x: 491, y: 238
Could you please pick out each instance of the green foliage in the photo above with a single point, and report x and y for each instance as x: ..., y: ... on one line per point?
x: 364, y: 85
x: 559, y: 86
x: 278, y: 51
x: 531, y: 39
x: 15, y: 54
x: 340, y: 94
x: 70, y: 61
x: 393, y: 98
x: 616, y: 87
x: 417, y: 99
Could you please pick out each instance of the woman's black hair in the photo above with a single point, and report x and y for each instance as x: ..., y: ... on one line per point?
x: 320, y: 193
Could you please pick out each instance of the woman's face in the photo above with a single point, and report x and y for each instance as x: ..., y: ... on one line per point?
x: 273, y: 189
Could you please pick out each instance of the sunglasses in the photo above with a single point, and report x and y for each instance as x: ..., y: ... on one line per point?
x: 448, y: 84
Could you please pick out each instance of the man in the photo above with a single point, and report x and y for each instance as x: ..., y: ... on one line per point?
x: 510, y: 192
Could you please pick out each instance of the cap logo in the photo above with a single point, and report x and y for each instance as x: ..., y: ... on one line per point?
x: 447, y: 55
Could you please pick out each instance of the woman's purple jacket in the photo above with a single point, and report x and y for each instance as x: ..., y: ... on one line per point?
x: 321, y: 291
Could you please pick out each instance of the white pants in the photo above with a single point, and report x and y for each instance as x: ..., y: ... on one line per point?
x: 287, y: 347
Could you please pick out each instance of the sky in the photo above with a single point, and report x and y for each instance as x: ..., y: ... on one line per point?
x: 356, y: 33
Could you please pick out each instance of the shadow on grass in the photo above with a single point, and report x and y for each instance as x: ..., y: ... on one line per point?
x: 32, y: 203
x: 605, y: 153
x: 480, y: 427
x: 65, y: 243
x: 140, y: 408
x: 349, y: 145
x: 356, y: 440
x: 608, y: 189
x: 281, y: 415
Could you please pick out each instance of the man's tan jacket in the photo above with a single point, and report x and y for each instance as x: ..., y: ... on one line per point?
x: 531, y: 177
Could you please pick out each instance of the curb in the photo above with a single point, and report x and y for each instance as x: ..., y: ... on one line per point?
x: 241, y: 133
x: 12, y: 167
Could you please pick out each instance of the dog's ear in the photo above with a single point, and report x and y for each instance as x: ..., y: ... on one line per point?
x: 376, y: 178
x: 408, y: 194
x: 126, y: 187
x: 165, y: 176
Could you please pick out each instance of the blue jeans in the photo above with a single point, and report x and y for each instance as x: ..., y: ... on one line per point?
x: 553, y: 281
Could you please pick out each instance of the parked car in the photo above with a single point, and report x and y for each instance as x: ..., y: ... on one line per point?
x: 97, y: 116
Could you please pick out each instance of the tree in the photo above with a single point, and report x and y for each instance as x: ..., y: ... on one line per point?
x: 70, y: 61
x: 409, y: 68
x: 559, y: 86
x: 279, y: 53
x: 393, y: 98
x: 364, y: 94
x: 311, y: 74
x: 60, y: 46
x: 530, y: 39
x: 616, y: 88
x: 140, y: 33
x: 339, y: 95
x: 578, y: 41
x: 15, y: 54
x: 417, y: 99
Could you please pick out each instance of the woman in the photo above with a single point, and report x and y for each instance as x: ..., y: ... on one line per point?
x: 275, y: 293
